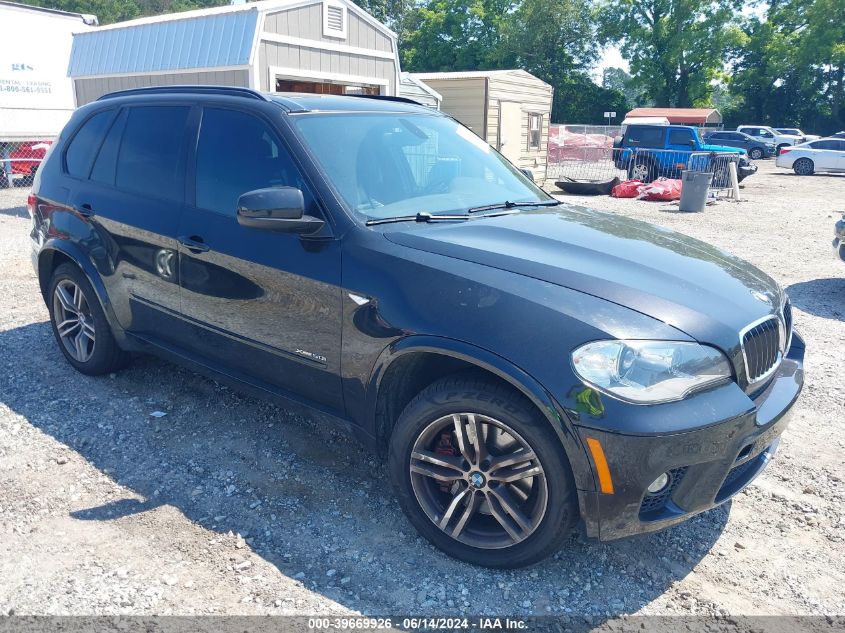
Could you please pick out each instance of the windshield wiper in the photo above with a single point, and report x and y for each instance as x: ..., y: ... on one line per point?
x: 507, y: 204
x: 423, y: 216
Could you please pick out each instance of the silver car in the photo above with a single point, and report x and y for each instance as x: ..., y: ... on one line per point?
x: 826, y: 154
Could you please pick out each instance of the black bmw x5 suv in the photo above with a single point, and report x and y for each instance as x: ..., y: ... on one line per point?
x: 523, y: 364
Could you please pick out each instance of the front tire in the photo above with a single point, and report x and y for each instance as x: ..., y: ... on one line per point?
x: 80, y: 325
x: 804, y: 167
x: 756, y: 154
x: 480, y: 474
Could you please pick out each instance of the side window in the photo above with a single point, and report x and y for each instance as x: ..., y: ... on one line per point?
x: 150, y: 157
x: 839, y: 146
x: 680, y: 137
x: 83, y: 147
x: 236, y: 153
x: 535, y: 127
x: 646, y: 136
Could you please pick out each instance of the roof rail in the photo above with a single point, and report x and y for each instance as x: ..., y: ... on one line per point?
x: 386, y: 98
x: 221, y: 90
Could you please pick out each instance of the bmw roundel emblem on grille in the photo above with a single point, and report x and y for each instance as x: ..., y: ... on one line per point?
x: 476, y: 479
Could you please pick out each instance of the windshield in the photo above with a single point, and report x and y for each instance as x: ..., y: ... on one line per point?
x: 387, y: 165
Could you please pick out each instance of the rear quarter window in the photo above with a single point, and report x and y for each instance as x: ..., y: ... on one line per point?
x: 85, y: 144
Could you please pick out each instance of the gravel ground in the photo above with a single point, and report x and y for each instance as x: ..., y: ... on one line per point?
x: 230, y: 505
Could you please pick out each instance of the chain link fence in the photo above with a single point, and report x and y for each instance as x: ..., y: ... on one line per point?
x: 587, y: 154
x: 20, y: 160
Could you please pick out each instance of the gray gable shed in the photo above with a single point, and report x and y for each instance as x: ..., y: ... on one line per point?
x: 323, y: 46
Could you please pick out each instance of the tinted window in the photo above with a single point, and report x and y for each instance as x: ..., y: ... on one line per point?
x: 82, y: 149
x: 646, y: 136
x: 103, y: 170
x: 752, y: 131
x: 680, y: 137
x: 149, y: 160
x: 828, y: 144
x: 236, y: 153
x: 720, y: 135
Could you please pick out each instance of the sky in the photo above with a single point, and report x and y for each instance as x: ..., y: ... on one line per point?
x: 611, y: 58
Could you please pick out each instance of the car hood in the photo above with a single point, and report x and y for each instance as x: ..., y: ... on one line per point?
x: 721, y: 148
x: 695, y: 287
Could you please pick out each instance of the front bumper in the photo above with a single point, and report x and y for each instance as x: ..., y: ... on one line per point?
x: 708, y: 466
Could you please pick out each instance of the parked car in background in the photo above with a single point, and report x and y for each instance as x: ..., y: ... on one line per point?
x: 756, y: 149
x: 648, y: 152
x: 769, y: 135
x: 838, y: 135
x: 839, y: 240
x: 794, y: 131
x: 364, y: 255
x: 826, y: 154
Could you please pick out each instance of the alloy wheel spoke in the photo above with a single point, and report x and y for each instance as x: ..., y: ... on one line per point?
x: 511, y: 475
x: 501, y: 515
x: 452, y: 462
x: 66, y: 327
x: 461, y: 437
x: 478, y: 445
x: 87, y: 328
x: 450, y: 511
x: 66, y: 300
x: 80, y: 343
x: 469, y: 511
x: 511, y: 506
x: 512, y: 459
x: 78, y: 299
x: 436, y: 472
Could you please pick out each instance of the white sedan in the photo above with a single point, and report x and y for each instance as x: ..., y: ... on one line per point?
x: 826, y: 154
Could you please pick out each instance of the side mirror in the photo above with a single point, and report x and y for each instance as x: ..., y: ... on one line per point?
x: 691, y: 143
x: 528, y: 174
x: 276, y: 209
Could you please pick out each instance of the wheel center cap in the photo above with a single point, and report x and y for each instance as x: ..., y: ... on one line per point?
x: 477, y: 480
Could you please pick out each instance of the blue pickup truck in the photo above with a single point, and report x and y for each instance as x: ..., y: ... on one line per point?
x: 648, y: 152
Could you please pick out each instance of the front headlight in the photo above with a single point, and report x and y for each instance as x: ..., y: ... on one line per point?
x: 650, y: 371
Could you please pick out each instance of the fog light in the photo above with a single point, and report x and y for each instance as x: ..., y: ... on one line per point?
x: 659, y: 484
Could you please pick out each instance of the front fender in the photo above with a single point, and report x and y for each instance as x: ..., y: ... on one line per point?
x: 504, y: 369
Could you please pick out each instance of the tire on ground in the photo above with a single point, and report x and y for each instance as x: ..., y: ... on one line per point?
x: 106, y: 355
x: 473, y: 393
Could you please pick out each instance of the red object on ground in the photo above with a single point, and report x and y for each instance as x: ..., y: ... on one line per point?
x: 663, y: 189
x: 627, y: 189
x: 35, y: 150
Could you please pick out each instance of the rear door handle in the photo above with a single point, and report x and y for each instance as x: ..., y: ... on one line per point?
x: 194, y: 243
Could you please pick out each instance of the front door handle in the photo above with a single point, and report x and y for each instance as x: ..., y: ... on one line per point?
x: 194, y: 243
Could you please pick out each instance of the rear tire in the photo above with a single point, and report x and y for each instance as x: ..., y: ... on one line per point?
x: 485, y: 520
x: 80, y: 325
x: 756, y: 153
x: 804, y: 167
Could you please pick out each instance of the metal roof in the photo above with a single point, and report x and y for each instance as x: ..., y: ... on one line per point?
x: 209, y: 40
x: 680, y: 115
x: 469, y: 74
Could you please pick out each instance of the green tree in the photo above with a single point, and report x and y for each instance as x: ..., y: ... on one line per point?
x: 674, y: 47
x: 620, y: 81
x: 451, y: 35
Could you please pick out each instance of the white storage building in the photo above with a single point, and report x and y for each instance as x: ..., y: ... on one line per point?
x: 321, y: 46
x: 510, y: 109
